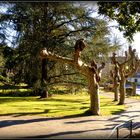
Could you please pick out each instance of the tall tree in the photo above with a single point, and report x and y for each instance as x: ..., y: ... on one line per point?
x: 41, y: 25
x: 47, y: 24
x: 126, y: 13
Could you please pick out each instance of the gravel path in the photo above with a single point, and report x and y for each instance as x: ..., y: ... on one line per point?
x: 70, y: 128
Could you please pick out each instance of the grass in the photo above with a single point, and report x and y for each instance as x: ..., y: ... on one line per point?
x: 55, y: 106
x: 137, y: 97
x: 15, y: 90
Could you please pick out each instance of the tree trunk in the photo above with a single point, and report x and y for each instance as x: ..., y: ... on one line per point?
x: 122, y: 91
x: 44, y: 93
x: 134, y: 88
x: 116, y: 90
x: 94, y: 96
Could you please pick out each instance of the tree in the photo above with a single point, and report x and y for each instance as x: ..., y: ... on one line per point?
x: 122, y: 70
x: 2, y: 60
x: 126, y: 13
x: 92, y: 72
x: 52, y: 25
x: 44, y: 24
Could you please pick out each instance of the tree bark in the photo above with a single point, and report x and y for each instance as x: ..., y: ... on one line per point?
x: 44, y: 92
x: 122, y: 91
x: 125, y: 69
x: 116, y: 91
x: 134, y: 88
x: 44, y: 70
x: 44, y: 40
x: 93, y: 88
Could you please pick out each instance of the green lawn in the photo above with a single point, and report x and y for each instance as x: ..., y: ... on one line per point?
x: 55, y: 106
x: 135, y: 97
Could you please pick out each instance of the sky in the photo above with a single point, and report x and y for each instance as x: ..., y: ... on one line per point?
x: 136, y: 43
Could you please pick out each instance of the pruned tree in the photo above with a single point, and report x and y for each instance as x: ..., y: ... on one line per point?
x: 115, y: 77
x: 122, y: 70
x: 92, y: 72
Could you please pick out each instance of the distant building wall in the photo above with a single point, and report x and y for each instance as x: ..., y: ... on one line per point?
x: 136, y: 78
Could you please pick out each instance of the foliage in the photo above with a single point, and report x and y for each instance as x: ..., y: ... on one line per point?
x: 2, y: 60
x: 14, y: 90
x: 126, y: 13
x: 55, y: 26
x: 99, y: 46
x: 8, y: 54
x: 39, y: 25
x: 3, y: 79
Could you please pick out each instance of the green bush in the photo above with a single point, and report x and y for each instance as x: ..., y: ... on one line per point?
x: 3, y: 79
x: 129, y: 90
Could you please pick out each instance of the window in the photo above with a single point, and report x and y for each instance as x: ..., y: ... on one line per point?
x: 135, y: 80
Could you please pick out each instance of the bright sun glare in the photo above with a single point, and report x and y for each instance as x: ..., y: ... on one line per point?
x: 136, y: 42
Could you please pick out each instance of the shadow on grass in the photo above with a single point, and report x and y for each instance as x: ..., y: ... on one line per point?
x: 63, y: 100
x: 5, y: 99
x: 21, y: 114
x: 14, y: 98
x: 86, y: 113
x: 4, y: 87
x: 119, y: 111
x: 17, y: 93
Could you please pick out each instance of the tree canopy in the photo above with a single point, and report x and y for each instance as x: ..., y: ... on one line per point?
x: 54, y: 26
x: 126, y: 13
